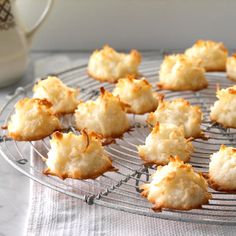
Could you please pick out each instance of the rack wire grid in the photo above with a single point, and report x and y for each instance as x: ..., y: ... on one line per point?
x: 120, y: 190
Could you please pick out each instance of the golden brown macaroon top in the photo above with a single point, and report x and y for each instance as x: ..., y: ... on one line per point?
x: 137, y: 94
x: 33, y: 119
x: 62, y: 97
x: 106, y: 115
x: 176, y: 186
x: 109, y: 65
x: 77, y: 156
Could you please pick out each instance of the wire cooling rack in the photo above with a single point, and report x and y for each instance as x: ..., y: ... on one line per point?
x: 120, y: 190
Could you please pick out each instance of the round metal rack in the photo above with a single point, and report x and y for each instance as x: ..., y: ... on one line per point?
x: 120, y: 190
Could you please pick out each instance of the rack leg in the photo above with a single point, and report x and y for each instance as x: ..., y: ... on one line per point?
x: 139, y: 175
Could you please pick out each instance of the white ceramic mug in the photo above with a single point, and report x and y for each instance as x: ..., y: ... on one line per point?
x: 15, y: 41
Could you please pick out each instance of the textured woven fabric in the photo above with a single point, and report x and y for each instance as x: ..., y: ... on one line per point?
x: 53, y: 213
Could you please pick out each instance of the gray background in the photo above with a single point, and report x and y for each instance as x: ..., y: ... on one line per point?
x: 124, y: 24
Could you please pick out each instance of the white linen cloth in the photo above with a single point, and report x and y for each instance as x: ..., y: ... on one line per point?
x: 52, y: 213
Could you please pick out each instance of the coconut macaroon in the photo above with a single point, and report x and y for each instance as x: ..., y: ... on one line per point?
x: 77, y: 157
x: 176, y: 186
x: 33, y: 119
x: 109, y: 65
x: 105, y: 116
x: 180, y: 113
x: 223, y: 110
x: 165, y: 141
x: 63, y: 98
x: 222, y: 169
x: 213, y: 54
x: 179, y: 72
x: 137, y: 94
x: 231, y: 67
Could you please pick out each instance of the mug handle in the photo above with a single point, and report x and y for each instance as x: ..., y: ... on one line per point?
x: 29, y: 34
